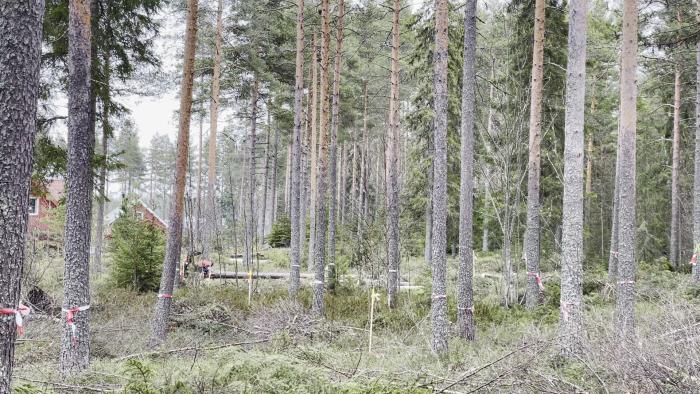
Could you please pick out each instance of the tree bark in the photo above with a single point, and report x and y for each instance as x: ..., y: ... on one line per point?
x: 106, y: 132
x: 296, y: 244
x: 272, y: 204
x: 532, y: 238
x: 266, y: 181
x: 696, y: 179
x: 318, y: 307
x: 313, y: 179
x: 439, y: 241
x: 465, y: 292
x: 335, y: 121
x: 392, y: 194
x: 210, y: 207
x: 288, y: 180
x: 589, y: 165
x: 20, y: 51
x: 75, y: 355
x: 174, y: 241
x: 614, y: 231
x: 626, y: 269
x: 250, y: 222
x: 675, y: 165
x: 571, y: 316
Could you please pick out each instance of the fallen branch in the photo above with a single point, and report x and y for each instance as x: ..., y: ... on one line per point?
x: 66, y: 386
x: 189, y: 348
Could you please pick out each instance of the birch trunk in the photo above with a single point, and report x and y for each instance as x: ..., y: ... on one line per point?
x: 335, y: 120
x: 295, y: 248
x: 392, y: 194
x: 174, y: 241
x: 75, y: 357
x: 20, y: 52
x: 532, y: 238
x: 626, y: 269
x: 465, y: 291
x: 439, y: 257
x: 571, y: 316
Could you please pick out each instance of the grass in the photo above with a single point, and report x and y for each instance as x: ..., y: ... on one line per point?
x: 514, y: 351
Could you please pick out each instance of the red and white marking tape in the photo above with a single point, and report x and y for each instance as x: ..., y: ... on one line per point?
x: 694, y: 259
x: 70, y: 314
x: 169, y: 296
x: 538, y: 279
x: 19, y: 314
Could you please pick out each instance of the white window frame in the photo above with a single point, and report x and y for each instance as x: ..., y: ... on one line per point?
x: 36, y: 206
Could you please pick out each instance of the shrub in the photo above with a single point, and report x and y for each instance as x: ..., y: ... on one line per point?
x: 137, y: 249
x: 281, y: 234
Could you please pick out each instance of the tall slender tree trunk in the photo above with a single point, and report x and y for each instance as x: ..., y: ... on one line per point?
x: 174, y: 241
x: 626, y: 269
x: 210, y: 224
x: 428, y: 249
x: 322, y: 176
x: 696, y: 179
x: 266, y: 180
x: 532, y: 237
x: 20, y: 52
x: 614, y: 231
x: 439, y: 241
x: 335, y: 123
x: 75, y: 352
x: 393, y: 255
x: 675, y: 165
x: 571, y: 317
x: 465, y: 291
x: 288, y: 180
x: 272, y: 204
x: 313, y: 179
x: 589, y: 164
x: 353, y: 181
x: 106, y: 132
x: 296, y: 244
x: 250, y: 222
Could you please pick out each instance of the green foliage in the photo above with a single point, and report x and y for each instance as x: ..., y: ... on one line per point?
x: 137, y: 249
x: 281, y: 234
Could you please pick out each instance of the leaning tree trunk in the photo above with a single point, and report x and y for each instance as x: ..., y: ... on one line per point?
x: 20, y: 51
x: 571, y: 317
x: 335, y: 121
x: 696, y: 180
x: 210, y: 205
x: 317, y: 305
x: 75, y: 348
x: 174, y: 242
x: 313, y: 178
x: 465, y: 291
x: 532, y: 237
x: 626, y: 268
x: 392, y: 194
x: 675, y: 165
x: 439, y: 241
x: 295, y: 251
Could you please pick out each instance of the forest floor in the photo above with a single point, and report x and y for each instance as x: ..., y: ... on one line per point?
x: 217, y: 343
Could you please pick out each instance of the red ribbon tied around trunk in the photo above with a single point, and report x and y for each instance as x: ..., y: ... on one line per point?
x: 538, y: 279
x: 694, y: 259
x: 19, y: 314
x: 165, y: 296
x: 70, y: 314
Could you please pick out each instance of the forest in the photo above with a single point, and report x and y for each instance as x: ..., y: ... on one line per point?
x: 349, y: 196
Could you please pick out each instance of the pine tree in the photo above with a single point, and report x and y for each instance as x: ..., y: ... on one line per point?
x: 439, y: 229
x: 465, y: 292
x: 174, y: 238
x: 626, y: 268
x: 571, y: 318
x: 20, y: 51
x: 75, y: 348
x: 532, y: 235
